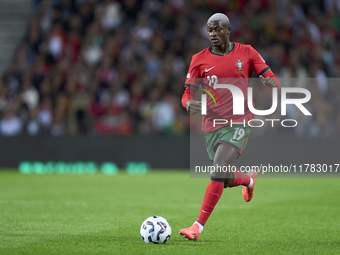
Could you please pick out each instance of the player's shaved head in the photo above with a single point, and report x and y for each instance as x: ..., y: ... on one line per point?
x: 219, y: 17
x: 218, y: 31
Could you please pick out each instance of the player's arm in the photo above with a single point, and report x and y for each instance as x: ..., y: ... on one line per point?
x: 191, y: 84
x: 188, y: 102
x: 270, y: 80
x: 266, y: 75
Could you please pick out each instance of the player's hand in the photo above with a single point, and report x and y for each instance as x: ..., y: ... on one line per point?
x: 193, y: 106
x: 268, y: 81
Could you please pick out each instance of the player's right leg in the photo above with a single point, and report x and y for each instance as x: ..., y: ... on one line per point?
x: 237, y: 138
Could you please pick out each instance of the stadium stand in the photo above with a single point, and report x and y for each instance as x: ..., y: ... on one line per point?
x: 118, y: 67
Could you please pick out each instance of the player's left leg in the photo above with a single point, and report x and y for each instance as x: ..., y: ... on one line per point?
x: 224, y: 156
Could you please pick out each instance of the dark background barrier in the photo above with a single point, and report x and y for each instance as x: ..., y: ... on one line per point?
x: 159, y: 151
x: 162, y: 151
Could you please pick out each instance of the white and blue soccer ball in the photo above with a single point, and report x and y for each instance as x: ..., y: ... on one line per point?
x: 155, y: 229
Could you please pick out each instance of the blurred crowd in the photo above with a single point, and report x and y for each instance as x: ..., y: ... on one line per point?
x: 118, y: 67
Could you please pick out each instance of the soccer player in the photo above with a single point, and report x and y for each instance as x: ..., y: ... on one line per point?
x: 232, y: 62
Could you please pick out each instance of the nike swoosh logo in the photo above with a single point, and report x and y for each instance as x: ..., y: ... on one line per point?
x: 233, y: 141
x: 205, y: 211
x: 207, y: 70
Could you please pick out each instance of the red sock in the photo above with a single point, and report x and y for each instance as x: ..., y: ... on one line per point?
x: 240, y: 179
x: 211, y: 197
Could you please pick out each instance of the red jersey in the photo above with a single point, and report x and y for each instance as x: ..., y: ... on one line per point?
x: 208, y: 68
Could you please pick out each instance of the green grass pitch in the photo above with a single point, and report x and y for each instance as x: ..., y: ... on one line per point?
x: 98, y: 214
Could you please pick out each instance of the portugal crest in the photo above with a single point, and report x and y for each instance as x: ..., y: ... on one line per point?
x: 239, y: 63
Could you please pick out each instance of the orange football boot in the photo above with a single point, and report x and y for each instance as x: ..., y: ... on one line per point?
x: 248, y: 193
x: 191, y: 233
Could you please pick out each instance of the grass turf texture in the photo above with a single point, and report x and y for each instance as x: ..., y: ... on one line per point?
x: 98, y: 214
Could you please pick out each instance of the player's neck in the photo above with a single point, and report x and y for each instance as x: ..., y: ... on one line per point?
x: 223, y: 49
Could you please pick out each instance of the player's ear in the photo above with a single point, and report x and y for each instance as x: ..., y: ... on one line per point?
x: 229, y: 29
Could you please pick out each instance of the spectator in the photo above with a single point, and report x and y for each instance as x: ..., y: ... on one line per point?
x: 11, y: 124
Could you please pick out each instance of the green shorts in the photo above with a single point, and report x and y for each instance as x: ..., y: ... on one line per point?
x: 235, y: 137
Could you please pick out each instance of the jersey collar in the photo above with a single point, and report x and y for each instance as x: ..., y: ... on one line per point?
x: 220, y: 54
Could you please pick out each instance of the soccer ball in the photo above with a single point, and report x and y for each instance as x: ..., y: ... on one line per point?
x: 155, y: 229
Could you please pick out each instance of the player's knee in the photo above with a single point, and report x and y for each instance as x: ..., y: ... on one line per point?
x: 228, y: 182
x: 217, y: 176
x: 229, y: 179
x: 217, y: 179
x: 226, y: 177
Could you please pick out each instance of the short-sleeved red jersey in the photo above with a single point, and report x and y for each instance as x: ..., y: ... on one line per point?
x: 235, y: 67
